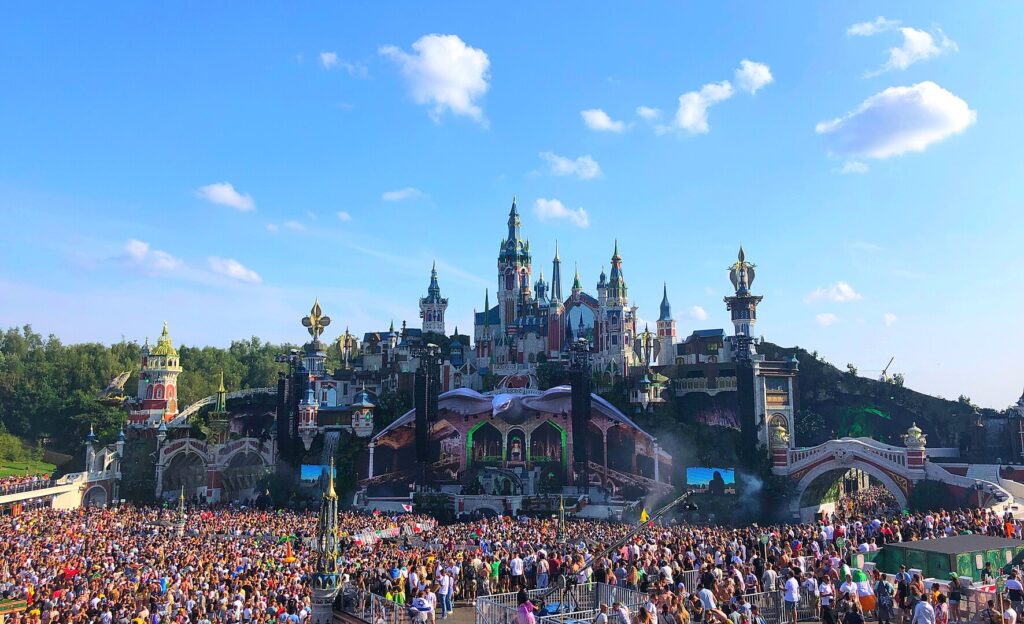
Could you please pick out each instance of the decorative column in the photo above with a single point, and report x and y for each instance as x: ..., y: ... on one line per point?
x: 915, y: 441
x: 779, y: 443
x: 373, y: 447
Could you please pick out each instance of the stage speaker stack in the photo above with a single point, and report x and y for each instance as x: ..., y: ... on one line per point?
x: 581, y: 405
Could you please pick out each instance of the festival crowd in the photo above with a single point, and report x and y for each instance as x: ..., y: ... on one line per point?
x: 127, y: 565
x: 20, y: 483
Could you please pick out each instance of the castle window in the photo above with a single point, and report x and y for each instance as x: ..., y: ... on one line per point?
x: 170, y: 392
x: 158, y: 393
x: 149, y: 392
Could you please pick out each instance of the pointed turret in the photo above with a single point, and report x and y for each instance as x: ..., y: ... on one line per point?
x: 221, y: 406
x: 433, y: 306
x: 577, y: 287
x: 556, y: 277
x: 513, y: 222
x: 666, y: 308
x: 325, y: 579
x: 616, y: 281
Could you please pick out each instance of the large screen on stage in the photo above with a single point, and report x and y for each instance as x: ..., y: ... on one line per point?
x: 310, y: 473
x: 713, y: 480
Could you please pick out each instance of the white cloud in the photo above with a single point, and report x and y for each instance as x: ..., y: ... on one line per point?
x: 752, y: 76
x: 692, y: 115
x: 272, y: 228
x: 597, y: 119
x: 234, y: 269
x: 446, y: 73
x: 343, y: 215
x: 826, y: 318
x: 402, y: 194
x: 224, y: 193
x: 854, y: 166
x: 890, y: 319
x: 840, y: 292
x: 584, y: 167
x: 866, y: 29
x: 647, y: 113
x: 917, y: 46
x: 140, y: 254
x: 697, y: 313
x: 552, y: 209
x: 136, y: 249
x: 328, y: 60
x: 295, y: 226
x: 898, y: 120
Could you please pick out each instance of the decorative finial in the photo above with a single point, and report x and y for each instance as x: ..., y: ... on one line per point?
x: 220, y: 388
x: 329, y: 492
x: 316, y: 322
x: 556, y: 250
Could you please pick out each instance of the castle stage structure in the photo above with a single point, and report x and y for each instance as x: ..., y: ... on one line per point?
x: 512, y: 443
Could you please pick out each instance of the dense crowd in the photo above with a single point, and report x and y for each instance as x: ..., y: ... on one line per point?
x: 20, y: 483
x: 127, y: 565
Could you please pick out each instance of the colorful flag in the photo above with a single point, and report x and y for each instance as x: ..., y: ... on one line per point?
x: 407, y: 507
x: 643, y: 516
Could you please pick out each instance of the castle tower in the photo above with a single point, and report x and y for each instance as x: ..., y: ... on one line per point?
x: 513, y: 271
x: 666, y: 330
x: 617, y: 319
x: 433, y: 306
x: 743, y: 305
x: 362, y: 414
x: 309, y: 407
x: 158, y: 382
x: 577, y: 287
x: 325, y: 580
x: 219, y: 419
x: 541, y: 287
x: 556, y: 278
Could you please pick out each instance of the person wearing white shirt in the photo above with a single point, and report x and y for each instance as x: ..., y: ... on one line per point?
x: 791, y: 595
x: 924, y: 613
x: 1009, y: 616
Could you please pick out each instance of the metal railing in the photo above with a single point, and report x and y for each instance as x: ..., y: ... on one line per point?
x: 370, y: 608
x: 582, y: 603
x: 18, y: 488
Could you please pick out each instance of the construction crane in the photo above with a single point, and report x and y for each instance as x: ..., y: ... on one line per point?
x: 567, y: 580
x: 884, y: 376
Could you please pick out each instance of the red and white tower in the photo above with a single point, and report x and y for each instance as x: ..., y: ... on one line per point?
x: 158, y: 383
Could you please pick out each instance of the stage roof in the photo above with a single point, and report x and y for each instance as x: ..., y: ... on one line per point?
x: 958, y: 544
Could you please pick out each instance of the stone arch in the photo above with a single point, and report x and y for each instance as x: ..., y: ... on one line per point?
x: 95, y: 496
x: 241, y: 473
x: 484, y: 443
x: 834, y: 464
x: 185, y: 469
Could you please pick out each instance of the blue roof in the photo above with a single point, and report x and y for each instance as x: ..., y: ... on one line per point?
x: 706, y: 333
x: 494, y: 317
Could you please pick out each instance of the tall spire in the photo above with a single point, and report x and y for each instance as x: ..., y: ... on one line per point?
x: 616, y: 282
x: 556, y: 277
x: 666, y: 309
x: 513, y: 221
x: 576, y: 286
x: 487, y: 307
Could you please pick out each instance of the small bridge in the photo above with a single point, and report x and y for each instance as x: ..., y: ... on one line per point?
x: 210, y: 400
x: 898, y: 468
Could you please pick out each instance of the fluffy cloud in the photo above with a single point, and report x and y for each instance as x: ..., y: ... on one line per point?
x: 853, y: 166
x: 402, y: 194
x: 136, y: 249
x: 752, y: 76
x: 330, y: 60
x: 553, y: 210
x: 866, y: 29
x: 890, y: 319
x: 697, y: 313
x: 140, y: 254
x: 584, y: 167
x: 692, y: 114
x: 444, y: 72
x: 224, y: 194
x: 234, y: 269
x: 597, y: 119
x: 898, y: 120
x: 826, y: 318
x: 295, y: 226
x: 918, y: 45
x: 840, y: 292
x: 647, y: 113
x: 343, y: 215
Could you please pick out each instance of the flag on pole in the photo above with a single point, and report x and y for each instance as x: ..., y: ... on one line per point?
x: 407, y: 507
x: 643, y: 516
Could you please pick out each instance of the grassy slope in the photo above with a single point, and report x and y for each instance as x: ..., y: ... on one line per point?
x: 8, y: 468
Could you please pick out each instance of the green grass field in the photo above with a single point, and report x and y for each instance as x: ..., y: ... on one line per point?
x: 20, y: 468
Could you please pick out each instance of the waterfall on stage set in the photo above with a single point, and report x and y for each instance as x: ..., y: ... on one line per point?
x: 330, y: 446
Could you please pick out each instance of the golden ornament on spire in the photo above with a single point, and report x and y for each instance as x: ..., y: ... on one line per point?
x: 316, y: 322
x: 329, y: 490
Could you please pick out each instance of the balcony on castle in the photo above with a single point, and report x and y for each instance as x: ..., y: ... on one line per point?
x: 703, y: 384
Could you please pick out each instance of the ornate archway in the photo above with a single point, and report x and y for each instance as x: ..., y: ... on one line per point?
x: 897, y: 484
x: 95, y: 496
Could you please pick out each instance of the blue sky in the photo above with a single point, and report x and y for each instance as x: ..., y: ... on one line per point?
x: 870, y: 167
